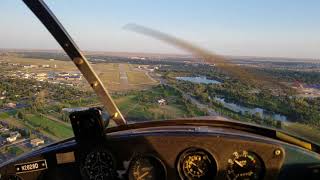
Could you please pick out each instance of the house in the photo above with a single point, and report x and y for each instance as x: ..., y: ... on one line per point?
x: 26, y: 76
x: 10, y: 105
x: 36, y: 142
x: 45, y: 65
x: 11, y: 139
x: 162, y: 102
x: 13, y: 136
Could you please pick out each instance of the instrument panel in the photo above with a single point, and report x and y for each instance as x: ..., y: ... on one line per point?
x: 169, y: 153
x: 198, y: 157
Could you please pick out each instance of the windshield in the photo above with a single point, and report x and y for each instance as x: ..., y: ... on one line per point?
x: 268, y: 71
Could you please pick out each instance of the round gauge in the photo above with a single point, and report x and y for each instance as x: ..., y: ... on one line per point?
x: 245, y: 165
x: 99, y: 165
x: 146, y: 168
x: 196, y: 164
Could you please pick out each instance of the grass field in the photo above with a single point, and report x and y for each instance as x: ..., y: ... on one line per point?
x: 61, y: 65
x: 129, y: 107
x: 110, y: 77
x: 4, y: 115
x: 311, y: 133
x: 136, y: 77
x: 14, y: 150
x: 142, y: 105
x: 59, y: 130
x: 169, y: 111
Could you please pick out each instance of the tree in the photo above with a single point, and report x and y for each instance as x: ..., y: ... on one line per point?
x: 20, y: 115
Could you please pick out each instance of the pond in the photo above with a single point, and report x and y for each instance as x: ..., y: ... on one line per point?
x: 199, y: 79
x: 242, y: 109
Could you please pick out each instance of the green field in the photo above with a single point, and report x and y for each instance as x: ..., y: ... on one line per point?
x: 142, y: 105
x: 306, y: 131
x: 4, y: 115
x: 53, y: 129
x: 57, y: 129
x: 14, y: 150
x: 129, y: 107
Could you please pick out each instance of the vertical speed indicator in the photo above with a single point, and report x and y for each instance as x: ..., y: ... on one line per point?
x: 245, y: 165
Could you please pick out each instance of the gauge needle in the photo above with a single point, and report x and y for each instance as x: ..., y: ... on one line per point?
x: 238, y: 163
x: 143, y: 175
x: 193, y: 163
x: 146, y: 169
x: 200, y: 170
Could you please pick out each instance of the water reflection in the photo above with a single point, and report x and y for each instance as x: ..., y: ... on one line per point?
x: 242, y: 109
x: 199, y: 79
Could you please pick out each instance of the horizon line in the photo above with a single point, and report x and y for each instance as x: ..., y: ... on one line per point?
x: 132, y: 53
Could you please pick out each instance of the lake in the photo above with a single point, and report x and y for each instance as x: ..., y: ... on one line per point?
x: 242, y: 109
x: 199, y: 79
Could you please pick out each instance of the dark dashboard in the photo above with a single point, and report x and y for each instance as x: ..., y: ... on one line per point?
x: 180, y: 149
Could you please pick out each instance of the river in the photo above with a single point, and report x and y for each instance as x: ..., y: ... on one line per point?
x: 243, y: 109
x: 232, y: 106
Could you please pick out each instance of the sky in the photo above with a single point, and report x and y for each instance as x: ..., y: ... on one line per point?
x: 277, y: 28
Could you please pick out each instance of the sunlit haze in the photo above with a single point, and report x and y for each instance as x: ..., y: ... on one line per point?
x: 287, y: 28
